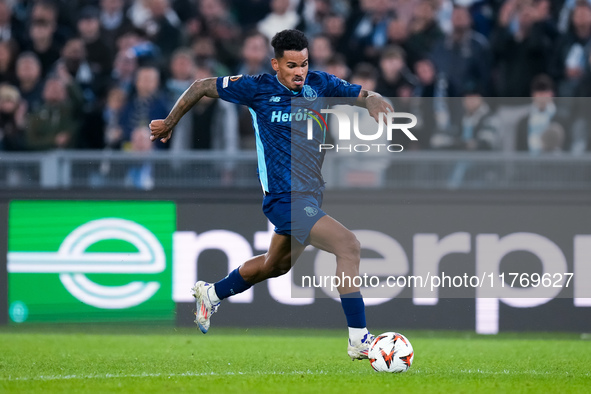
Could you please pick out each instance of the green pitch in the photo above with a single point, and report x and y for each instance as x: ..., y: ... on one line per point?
x: 151, y: 360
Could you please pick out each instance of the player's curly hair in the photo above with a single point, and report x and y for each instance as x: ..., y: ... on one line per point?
x: 288, y: 40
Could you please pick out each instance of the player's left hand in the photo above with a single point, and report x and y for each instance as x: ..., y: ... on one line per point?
x: 160, y: 130
x: 376, y: 104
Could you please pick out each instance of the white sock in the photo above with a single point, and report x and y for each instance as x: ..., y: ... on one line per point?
x: 213, y: 297
x: 356, y: 335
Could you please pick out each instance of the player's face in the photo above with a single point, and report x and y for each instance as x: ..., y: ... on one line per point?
x: 292, y: 69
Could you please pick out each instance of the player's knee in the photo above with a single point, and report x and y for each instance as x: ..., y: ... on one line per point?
x: 277, y: 267
x: 350, y: 246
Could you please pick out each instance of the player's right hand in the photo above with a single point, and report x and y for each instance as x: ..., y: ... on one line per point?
x: 160, y: 130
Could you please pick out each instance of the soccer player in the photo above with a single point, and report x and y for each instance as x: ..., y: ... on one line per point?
x: 289, y: 173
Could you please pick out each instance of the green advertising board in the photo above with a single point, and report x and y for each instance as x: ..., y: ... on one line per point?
x: 77, y: 261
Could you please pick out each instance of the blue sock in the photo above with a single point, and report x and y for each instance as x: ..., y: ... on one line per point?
x: 354, y: 309
x: 231, y: 285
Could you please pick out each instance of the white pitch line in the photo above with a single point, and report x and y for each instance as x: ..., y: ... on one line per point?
x: 503, y: 372
x: 308, y: 372
x: 155, y: 375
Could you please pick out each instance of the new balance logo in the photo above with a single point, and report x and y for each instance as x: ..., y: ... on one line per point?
x: 275, y: 99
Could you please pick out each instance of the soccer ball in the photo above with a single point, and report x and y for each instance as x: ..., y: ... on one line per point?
x: 390, y: 352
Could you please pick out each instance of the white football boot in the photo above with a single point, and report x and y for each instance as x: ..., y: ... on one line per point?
x: 205, y: 308
x: 359, y: 351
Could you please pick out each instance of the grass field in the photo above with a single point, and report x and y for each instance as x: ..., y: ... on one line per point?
x: 97, y: 359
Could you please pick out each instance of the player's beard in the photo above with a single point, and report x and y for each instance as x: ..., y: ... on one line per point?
x: 297, y: 87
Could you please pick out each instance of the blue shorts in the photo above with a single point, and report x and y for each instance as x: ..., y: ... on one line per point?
x: 294, y: 213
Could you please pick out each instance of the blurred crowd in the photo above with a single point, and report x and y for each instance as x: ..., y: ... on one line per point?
x: 91, y: 74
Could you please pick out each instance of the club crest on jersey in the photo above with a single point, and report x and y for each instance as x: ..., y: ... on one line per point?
x: 311, y: 211
x: 309, y: 93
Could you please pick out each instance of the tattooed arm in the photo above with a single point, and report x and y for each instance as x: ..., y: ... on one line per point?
x: 162, y: 128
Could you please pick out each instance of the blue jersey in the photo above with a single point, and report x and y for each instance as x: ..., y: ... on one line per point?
x: 287, y: 160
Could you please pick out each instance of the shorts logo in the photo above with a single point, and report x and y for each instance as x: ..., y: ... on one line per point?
x: 309, y: 93
x: 235, y: 78
x: 311, y: 211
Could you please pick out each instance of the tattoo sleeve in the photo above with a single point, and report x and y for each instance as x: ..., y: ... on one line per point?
x: 190, y: 97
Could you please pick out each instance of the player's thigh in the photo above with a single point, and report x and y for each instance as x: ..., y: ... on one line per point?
x: 331, y: 236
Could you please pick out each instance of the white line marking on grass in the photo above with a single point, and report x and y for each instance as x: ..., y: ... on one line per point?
x: 503, y: 372
x: 259, y: 373
x: 155, y: 375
